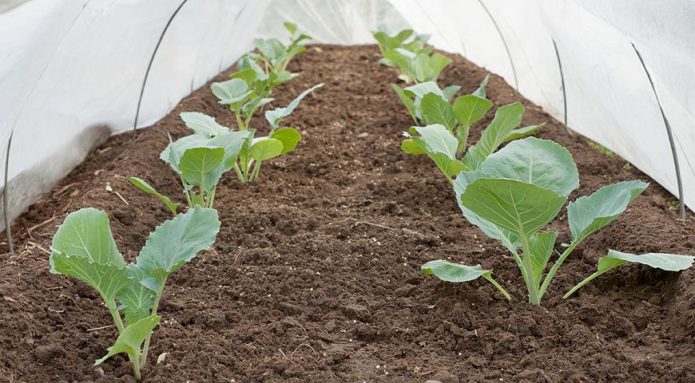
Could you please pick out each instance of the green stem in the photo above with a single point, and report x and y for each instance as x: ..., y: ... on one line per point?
x: 556, y: 266
x: 256, y: 170
x: 146, y: 347
x: 582, y: 283
x: 135, y: 361
x: 498, y: 286
x: 211, y: 199
x: 115, y: 315
x: 239, y: 122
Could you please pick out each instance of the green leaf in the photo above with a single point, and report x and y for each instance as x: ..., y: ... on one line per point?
x: 453, y: 272
x: 421, y: 89
x: 136, y: 299
x: 480, y: 92
x: 667, y: 262
x: 437, y: 63
x: 131, y: 339
x: 174, y: 151
x: 265, y: 148
x: 515, y: 206
x: 543, y: 163
x: 147, y: 188
x: 231, y: 91
x: 406, y: 100
x: 508, y: 239
x: 524, y: 132
x: 540, y: 250
x: 438, y: 139
x: 589, y: 214
x: 413, y: 146
x: 436, y: 110
x: 202, y: 167
x: 231, y: 142
x: 83, y: 247
x: 175, y: 242
x: 274, y: 116
x: 289, y: 137
x: 470, y: 109
x: 291, y: 27
x: 506, y: 118
x: 450, y: 91
x: 203, y: 124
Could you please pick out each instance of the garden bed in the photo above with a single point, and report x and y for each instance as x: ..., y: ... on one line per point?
x: 315, y: 276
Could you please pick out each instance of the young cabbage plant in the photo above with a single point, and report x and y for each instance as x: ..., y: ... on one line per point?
x: 417, y: 67
x: 445, y: 139
x: 84, y: 248
x: 279, y: 141
x: 385, y: 41
x: 200, y: 160
x: 275, y: 55
x: 520, y: 189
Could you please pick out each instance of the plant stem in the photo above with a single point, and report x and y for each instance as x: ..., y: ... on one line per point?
x: 211, y: 199
x: 256, y: 170
x: 115, y: 315
x: 498, y: 286
x: 556, y: 266
x: 135, y: 361
x: 582, y: 283
x: 146, y: 347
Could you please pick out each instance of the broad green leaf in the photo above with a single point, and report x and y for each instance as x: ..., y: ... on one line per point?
x: 413, y: 146
x: 231, y: 142
x: 508, y: 239
x: 406, y: 100
x: 248, y: 75
x: 451, y: 167
x: 506, y: 118
x: 174, y: 151
x: 423, y: 88
x: 667, y: 262
x: 524, y: 132
x: 590, y: 213
x: 202, y: 167
x: 175, y: 242
x: 203, y: 124
x: 435, y: 110
x: 541, y: 249
x: 515, y: 206
x: 470, y: 109
x: 543, y: 163
x: 289, y: 137
x: 437, y: 63
x: 450, y: 91
x: 271, y: 49
x: 265, y: 148
x: 480, y: 92
x: 83, y: 247
x: 147, y: 188
x: 453, y: 272
x: 438, y: 139
x: 274, y: 116
x: 231, y: 91
x: 136, y: 298
x: 131, y: 339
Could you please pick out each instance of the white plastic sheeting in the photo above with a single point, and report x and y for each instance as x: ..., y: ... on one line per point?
x: 72, y: 70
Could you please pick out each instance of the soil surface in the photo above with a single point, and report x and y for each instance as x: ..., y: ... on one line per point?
x: 315, y: 276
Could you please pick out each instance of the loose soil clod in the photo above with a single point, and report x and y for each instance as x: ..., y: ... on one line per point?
x: 316, y: 273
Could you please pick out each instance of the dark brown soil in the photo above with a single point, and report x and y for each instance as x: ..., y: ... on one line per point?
x: 315, y: 276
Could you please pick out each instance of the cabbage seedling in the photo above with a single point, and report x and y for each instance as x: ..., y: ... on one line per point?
x: 200, y: 160
x: 418, y: 43
x: 417, y: 67
x: 520, y: 189
x: 255, y: 150
x: 445, y: 140
x: 83, y: 248
x: 275, y: 55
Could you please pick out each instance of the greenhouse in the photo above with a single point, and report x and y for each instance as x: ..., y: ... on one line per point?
x: 347, y: 191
